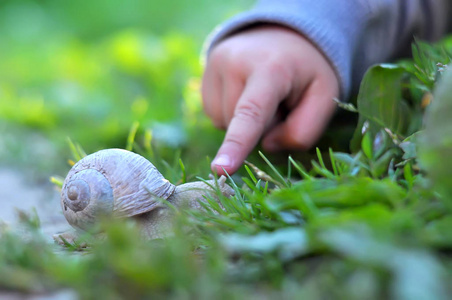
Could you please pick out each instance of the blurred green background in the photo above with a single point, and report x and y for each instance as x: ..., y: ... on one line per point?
x: 87, y: 70
x: 373, y: 225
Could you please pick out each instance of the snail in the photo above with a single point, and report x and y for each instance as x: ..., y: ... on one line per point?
x: 121, y: 184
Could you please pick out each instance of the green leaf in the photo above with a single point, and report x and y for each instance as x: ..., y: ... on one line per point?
x: 307, y: 196
x: 282, y: 181
x: 380, y: 102
x: 438, y: 232
x: 408, y: 174
x: 380, y: 167
x: 409, y: 146
x: 366, y: 145
x: 131, y: 136
x: 289, y: 242
x: 435, y: 143
x: 417, y: 274
x: 409, y: 149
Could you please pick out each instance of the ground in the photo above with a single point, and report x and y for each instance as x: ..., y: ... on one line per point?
x: 18, y: 191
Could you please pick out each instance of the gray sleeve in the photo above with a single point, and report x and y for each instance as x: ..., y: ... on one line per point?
x: 352, y: 34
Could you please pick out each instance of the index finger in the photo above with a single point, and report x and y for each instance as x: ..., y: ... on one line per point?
x: 254, y: 111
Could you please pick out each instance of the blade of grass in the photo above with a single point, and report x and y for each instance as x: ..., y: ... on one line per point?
x: 308, y: 207
x: 320, y: 158
x: 236, y: 206
x: 289, y: 170
x: 265, y: 191
x: 238, y: 195
x: 131, y: 136
x: 184, y: 173
x: 300, y: 169
x: 320, y: 170
x: 80, y: 150
x: 283, y: 182
x: 251, y: 185
x: 58, y: 181
x: 253, y: 178
x: 147, y: 144
x: 74, y: 150
x: 333, y: 162
x: 213, y: 206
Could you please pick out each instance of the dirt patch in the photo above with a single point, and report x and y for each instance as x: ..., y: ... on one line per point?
x: 17, y: 191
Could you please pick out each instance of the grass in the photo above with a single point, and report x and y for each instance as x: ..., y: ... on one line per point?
x: 329, y: 235
x: 373, y: 222
x: 366, y: 223
x: 132, y: 63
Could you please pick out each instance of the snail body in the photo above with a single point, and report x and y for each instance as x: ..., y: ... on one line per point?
x: 121, y: 184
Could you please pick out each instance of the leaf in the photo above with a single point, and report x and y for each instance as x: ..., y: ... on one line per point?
x: 380, y: 102
x: 416, y: 273
x: 307, y: 196
x: 352, y: 162
x: 409, y: 149
x: 409, y: 146
x: 435, y: 143
x: 289, y: 242
x: 131, y: 136
x: 381, y: 165
x: 438, y: 232
x: 366, y: 145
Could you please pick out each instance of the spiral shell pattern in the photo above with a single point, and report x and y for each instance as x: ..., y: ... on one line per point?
x: 111, y: 182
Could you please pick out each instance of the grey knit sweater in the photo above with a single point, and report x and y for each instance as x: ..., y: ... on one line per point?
x: 353, y: 34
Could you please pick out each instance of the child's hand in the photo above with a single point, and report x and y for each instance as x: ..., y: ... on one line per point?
x: 250, y: 76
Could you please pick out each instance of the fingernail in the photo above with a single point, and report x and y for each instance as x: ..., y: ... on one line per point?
x: 222, y: 160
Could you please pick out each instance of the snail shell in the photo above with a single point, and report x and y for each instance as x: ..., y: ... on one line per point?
x: 112, y: 182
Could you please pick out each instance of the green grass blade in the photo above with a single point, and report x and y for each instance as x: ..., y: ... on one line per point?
x: 131, y: 136
x: 320, y: 158
x: 282, y: 182
x: 300, y: 169
x: 253, y: 178
x: 147, y: 144
x: 333, y: 162
x: 289, y: 170
x: 322, y: 171
x: 58, y: 181
x: 74, y: 150
x: 184, y: 173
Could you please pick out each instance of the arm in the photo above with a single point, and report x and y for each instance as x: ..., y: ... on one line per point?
x: 352, y: 35
x: 349, y: 38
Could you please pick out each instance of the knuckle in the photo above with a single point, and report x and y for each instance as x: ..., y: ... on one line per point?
x: 235, y: 140
x: 278, y: 66
x: 228, y: 59
x: 275, y: 66
x: 249, y: 111
x: 280, y: 71
x: 220, y: 55
x: 216, y: 58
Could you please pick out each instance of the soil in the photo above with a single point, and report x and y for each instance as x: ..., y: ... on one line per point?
x: 19, y: 192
